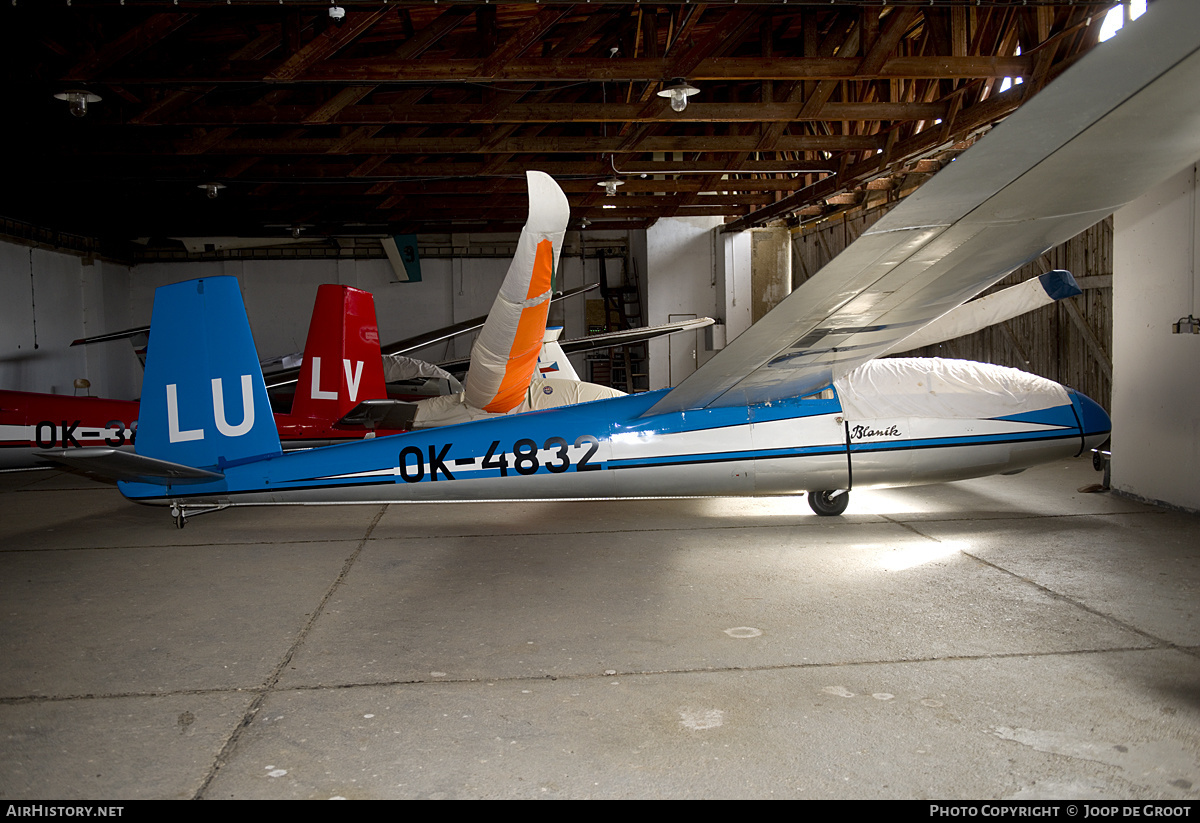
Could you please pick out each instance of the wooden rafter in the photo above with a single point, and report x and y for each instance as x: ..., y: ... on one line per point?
x: 412, y: 111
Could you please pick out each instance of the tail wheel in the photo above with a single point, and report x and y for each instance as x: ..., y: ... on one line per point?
x: 829, y: 503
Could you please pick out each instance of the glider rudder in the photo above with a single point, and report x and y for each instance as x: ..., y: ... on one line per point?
x: 342, y: 364
x: 204, y: 402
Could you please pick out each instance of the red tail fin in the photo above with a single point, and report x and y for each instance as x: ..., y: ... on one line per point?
x: 342, y: 364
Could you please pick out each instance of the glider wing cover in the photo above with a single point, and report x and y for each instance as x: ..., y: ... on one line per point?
x: 504, y: 357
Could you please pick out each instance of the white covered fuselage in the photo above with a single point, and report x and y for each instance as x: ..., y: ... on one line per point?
x: 940, y: 421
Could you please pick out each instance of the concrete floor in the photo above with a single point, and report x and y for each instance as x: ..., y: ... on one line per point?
x: 999, y: 638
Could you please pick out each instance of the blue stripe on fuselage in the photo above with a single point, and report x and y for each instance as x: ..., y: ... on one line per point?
x: 972, y: 440
x: 430, y: 455
x: 1054, y: 416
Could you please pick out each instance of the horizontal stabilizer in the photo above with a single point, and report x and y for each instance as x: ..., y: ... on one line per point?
x: 128, y: 334
x: 630, y: 336
x: 125, y: 465
x: 381, y: 414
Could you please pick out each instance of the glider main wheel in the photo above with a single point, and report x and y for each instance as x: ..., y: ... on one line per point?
x: 829, y: 503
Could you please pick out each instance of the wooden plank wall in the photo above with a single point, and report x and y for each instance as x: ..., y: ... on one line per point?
x: 1070, y: 341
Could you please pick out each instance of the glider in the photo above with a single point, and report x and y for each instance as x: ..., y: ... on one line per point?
x: 795, y: 404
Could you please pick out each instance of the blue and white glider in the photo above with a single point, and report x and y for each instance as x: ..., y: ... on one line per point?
x: 797, y: 403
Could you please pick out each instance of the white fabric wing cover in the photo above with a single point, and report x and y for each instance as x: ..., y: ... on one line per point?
x: 504, y: 357
x: 979, y: 314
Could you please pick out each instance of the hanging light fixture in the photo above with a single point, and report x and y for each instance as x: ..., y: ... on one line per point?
x: 77, y: 100
x: 679, y: 92
x: 610, y: 185
x: 211, y: 189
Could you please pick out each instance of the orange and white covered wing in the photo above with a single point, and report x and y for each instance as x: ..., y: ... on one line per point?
x: 504, y: 357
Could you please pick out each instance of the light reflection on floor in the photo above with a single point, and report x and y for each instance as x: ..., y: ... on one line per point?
x: 878, y: 502
x: 918, y: 554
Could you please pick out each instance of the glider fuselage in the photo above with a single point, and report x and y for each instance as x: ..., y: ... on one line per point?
x: 607, y: 449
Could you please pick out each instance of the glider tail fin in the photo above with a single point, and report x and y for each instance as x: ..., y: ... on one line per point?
x: 342, y: 363
x: 204, y: 402
x: 552, y: 361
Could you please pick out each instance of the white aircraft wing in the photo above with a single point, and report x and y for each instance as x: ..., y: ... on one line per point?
x: 1118, y: 122
x: 628, y: 337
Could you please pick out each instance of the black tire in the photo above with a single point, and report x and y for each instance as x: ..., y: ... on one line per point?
x: 825, y: 504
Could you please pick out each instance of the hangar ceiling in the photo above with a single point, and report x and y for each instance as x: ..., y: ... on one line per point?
x: 423, y: 117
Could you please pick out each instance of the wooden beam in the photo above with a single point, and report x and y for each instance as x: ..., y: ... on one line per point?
x: 520, y: 41
x: 539, y: 69
x: 431, y: 33
x: 205, y: 141
x: 136, y: 40
x: 547, y: 110
x: 852, y: 175
x: 684, y: 175
x: 685, y: 62
x: 517, y: 144
x: 325, y: 45
x: 330, y: 108
x: 1094, y: 346
x: 172, y: 101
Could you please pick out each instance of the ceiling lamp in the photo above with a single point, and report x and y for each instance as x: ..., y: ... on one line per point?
x: 211, y: 189
x: 77, y: 100
x: 337, y: 14
x: 679, y: 92
x: 610, y: 185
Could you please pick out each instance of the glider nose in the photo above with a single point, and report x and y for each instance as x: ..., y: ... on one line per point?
x: 1094, y: 423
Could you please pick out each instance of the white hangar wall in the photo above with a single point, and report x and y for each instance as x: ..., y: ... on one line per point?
x: 1156, y: 374
x: 699, y: 271
x: 681, y: 261
x: 52, y: 298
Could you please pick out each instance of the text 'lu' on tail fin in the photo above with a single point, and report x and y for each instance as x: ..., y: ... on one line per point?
x: 204, y: 402
x: 342, y: 364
